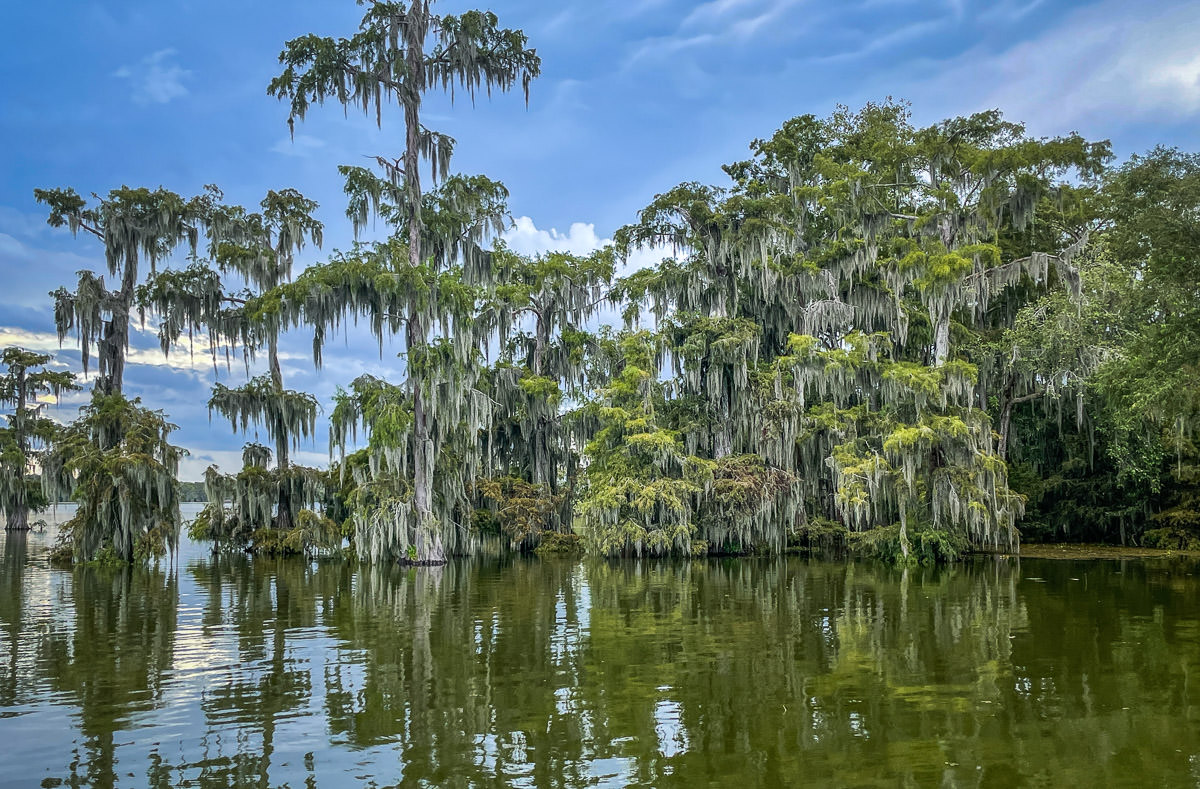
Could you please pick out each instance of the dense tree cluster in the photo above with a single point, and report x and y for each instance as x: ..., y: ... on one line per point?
x: 908, y: 341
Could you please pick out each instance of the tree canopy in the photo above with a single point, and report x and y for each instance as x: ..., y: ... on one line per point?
x: 896, y: 339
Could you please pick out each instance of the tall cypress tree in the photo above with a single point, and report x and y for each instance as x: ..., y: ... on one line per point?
x: 400, y: 52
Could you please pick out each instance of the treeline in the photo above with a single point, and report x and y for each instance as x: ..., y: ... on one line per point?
x: 905, y: 341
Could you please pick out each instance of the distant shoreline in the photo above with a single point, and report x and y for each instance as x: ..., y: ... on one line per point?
x: 1096, y: 551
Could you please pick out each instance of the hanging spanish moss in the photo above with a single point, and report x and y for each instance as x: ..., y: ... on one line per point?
x: 541, y: 306
x: 398, y: 54
x: 134, y: 225
x: 257, y: 249
x: 117, y: 463
x: 852, y: 337
x: 642, y: 489
x: 787, y: 314
x: 22, y: 386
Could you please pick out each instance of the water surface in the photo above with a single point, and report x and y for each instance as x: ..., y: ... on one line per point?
x: 230, y: 672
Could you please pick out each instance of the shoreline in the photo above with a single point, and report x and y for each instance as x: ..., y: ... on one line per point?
x: 1076, y: 550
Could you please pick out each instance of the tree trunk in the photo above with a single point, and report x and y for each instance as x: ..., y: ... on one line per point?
x: 566, y: 511
x: 1007, y: 401
x: 1005, y: 423
x: 18, y: 512
x: 941, y: 336
x: 283, y: 507
x: 115, y: 342
x: 544, y: 471
x: 722, y: 439
x: 541, y: 338
x: 428, y: 542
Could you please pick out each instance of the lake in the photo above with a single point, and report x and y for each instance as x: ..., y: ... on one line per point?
x: 510, y: 671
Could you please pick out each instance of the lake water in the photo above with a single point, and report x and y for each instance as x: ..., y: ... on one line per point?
x: 523, y: 672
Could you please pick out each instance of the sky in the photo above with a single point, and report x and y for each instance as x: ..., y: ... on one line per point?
x: 634, y: 97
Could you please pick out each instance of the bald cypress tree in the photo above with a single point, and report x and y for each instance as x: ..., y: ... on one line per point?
x: 136, y: 227
x: 400, y: 52
x: 811, y: 312
x: 25, y: 380
x: 255, y: 250
x: 116, y: 460
x: 543, y: 304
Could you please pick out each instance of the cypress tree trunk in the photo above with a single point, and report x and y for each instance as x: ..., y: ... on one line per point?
x: 18, y: 513
x: 283, y: 513
x: 1006, y: 411
x: 544, y: 471
x: 428, y: 542
x: 941, y: 337
x: 116, y: 333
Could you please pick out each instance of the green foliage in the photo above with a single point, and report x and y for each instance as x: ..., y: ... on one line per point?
x: 117, y: 463
x: 285, y: 415
x: 924, y: 547
x: 559, y: 544
x: 467, y: 51
x: 192, y: 491
x: 134, y: 225
x: 641, y: 488
x: 814, y: 316
x: 425, y: 277
x: 521, y: 510
x: 264, y: 510
x: 1152, y: 204
x: 24, y: 386
x: 1120, y: 364
x: 311, y: 531
x: 874, y: 336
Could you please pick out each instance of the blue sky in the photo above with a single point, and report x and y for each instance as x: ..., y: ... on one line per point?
x: 634, y: 97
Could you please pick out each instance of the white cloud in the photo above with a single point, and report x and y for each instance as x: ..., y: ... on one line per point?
x: 665, y: 46
x: 715, y: 11
x: 44, y: 342
x: 718, y: 22
x: 198, y: 361
x: 1103, y: 66
x: 155, y: 80
x: 581, y: 239
x: 229, y: 461
x: 525, y: 237
x: 1010, y: 12
x: 901, y: 35
x: 644, y: 257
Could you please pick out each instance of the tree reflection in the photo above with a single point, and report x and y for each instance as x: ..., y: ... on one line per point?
x: 112, y: 659
x: 256, y: 606
x: 559, y: 674
x: 13, y: 657
x: 468, y: 671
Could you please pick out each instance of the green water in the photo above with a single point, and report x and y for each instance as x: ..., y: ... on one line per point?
x: 231, y: 672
